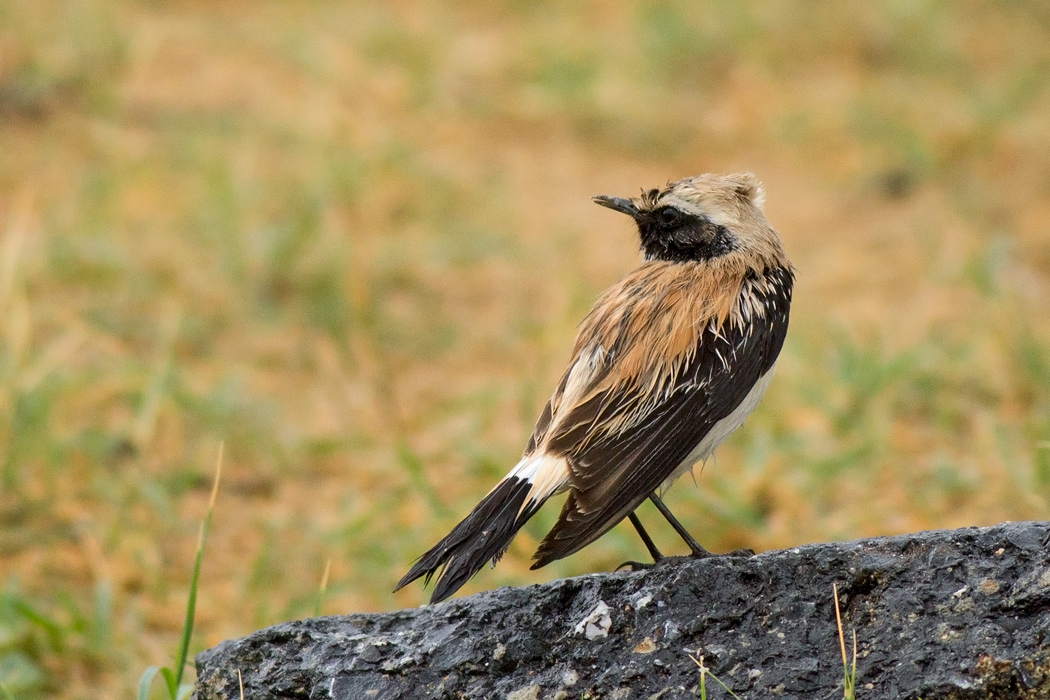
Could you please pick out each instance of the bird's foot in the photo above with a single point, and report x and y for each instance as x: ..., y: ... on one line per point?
x: 635, y: 566
x: 744, y: 552
x: 704, y: 554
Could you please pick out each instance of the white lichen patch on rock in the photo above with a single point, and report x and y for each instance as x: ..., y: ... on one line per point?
x: 597, y: 623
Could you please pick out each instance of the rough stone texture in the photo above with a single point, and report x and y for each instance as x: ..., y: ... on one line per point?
x: 948, y: 614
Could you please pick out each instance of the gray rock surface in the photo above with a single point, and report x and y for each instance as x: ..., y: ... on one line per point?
x: 947, y: 614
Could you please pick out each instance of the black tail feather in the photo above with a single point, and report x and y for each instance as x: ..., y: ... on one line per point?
x: 482, y: 536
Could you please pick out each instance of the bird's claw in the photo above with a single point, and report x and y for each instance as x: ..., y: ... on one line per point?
x: 743, y: 552
x: 704, y: 554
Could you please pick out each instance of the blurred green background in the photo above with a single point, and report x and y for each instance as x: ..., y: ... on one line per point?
x: 353, y: 241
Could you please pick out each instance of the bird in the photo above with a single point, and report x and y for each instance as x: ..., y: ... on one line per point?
x: 668, y: 363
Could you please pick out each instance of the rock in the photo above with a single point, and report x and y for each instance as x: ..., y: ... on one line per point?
x: 938, y: 615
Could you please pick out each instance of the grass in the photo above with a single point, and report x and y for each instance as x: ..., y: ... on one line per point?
x: 353, y: 243
x: 177, y: 690
x: 704, y: 673
x: 849, y: 667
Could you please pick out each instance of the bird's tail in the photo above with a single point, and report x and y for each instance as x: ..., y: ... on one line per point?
x: 485, y: 534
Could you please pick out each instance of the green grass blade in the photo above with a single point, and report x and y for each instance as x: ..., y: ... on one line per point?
x: 170, y: 682
x: 704, y: 672
x: 191, y: 602
x: 146, y: 681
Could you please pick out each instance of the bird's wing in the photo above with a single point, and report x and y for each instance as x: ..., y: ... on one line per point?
x: 641, y: 416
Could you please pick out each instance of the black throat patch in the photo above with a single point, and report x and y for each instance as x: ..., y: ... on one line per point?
x: 668, y: 233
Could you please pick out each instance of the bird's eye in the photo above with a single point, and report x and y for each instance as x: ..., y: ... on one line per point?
x: 668, y: 216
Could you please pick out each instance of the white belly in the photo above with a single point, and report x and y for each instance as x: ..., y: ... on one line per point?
x: 722, y: 429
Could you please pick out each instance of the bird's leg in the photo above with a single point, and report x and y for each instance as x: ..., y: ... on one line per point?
x: 649, y: 544
x: 698, y: 551
x: 646, y: 539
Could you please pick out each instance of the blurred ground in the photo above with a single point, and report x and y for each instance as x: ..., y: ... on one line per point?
x: 353, y: 241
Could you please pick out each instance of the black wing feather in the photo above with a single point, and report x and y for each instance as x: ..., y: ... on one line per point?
x: 613, y: 473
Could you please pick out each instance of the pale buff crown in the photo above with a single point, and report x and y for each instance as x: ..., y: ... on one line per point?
x: 733, y: 201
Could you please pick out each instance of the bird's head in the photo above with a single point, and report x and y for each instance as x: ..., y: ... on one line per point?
x: 706, y: 217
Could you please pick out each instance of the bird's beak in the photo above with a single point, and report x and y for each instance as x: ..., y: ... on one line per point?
x: 624, y: 206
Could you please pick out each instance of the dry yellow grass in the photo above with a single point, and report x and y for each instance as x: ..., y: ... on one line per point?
x: 353, y: 241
